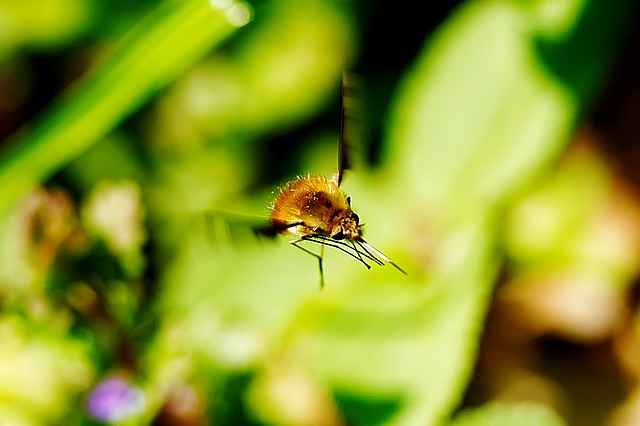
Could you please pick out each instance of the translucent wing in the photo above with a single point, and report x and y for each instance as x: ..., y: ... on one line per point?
x: 343, y: 156
x: 349, y: 113
x: 224, y: 230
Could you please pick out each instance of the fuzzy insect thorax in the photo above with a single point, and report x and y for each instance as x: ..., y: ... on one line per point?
x: 314, y: 205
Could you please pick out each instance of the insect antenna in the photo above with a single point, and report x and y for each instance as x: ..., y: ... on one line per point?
x: 365, y: 245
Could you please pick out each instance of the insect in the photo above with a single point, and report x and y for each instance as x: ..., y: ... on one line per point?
x: 313, y: 208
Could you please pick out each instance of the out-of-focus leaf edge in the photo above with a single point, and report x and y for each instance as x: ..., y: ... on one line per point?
x: 155, y: 52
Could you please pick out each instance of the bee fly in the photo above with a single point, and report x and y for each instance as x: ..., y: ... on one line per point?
x: 315, y: 209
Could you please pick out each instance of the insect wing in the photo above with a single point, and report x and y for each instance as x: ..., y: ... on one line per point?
x: 350, y: 127
x: 229, y: 231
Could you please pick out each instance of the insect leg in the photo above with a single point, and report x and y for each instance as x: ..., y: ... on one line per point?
x: 340, y: 245
x: 355, y: 248
x: 320, y: 257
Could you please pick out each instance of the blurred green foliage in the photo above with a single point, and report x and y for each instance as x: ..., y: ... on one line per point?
x: 112, y: 264
x: 503, y: 414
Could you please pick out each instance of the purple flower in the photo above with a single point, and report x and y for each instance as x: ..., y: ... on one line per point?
x: 114, y: 399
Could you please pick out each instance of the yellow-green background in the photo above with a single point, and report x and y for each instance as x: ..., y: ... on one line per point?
x: 143, y: 137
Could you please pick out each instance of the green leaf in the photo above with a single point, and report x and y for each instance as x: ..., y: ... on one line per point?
x: 521, y: 414
x: 150, y: 56
x: 41, y: 23
x: 496, y: 96
x: 402, y: 345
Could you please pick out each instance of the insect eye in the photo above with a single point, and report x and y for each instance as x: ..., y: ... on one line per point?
x: 356, y: 218
x: 349, y: 201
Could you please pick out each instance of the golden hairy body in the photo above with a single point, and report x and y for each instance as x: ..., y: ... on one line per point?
x: 315, y: 210
x: 314, y: 205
